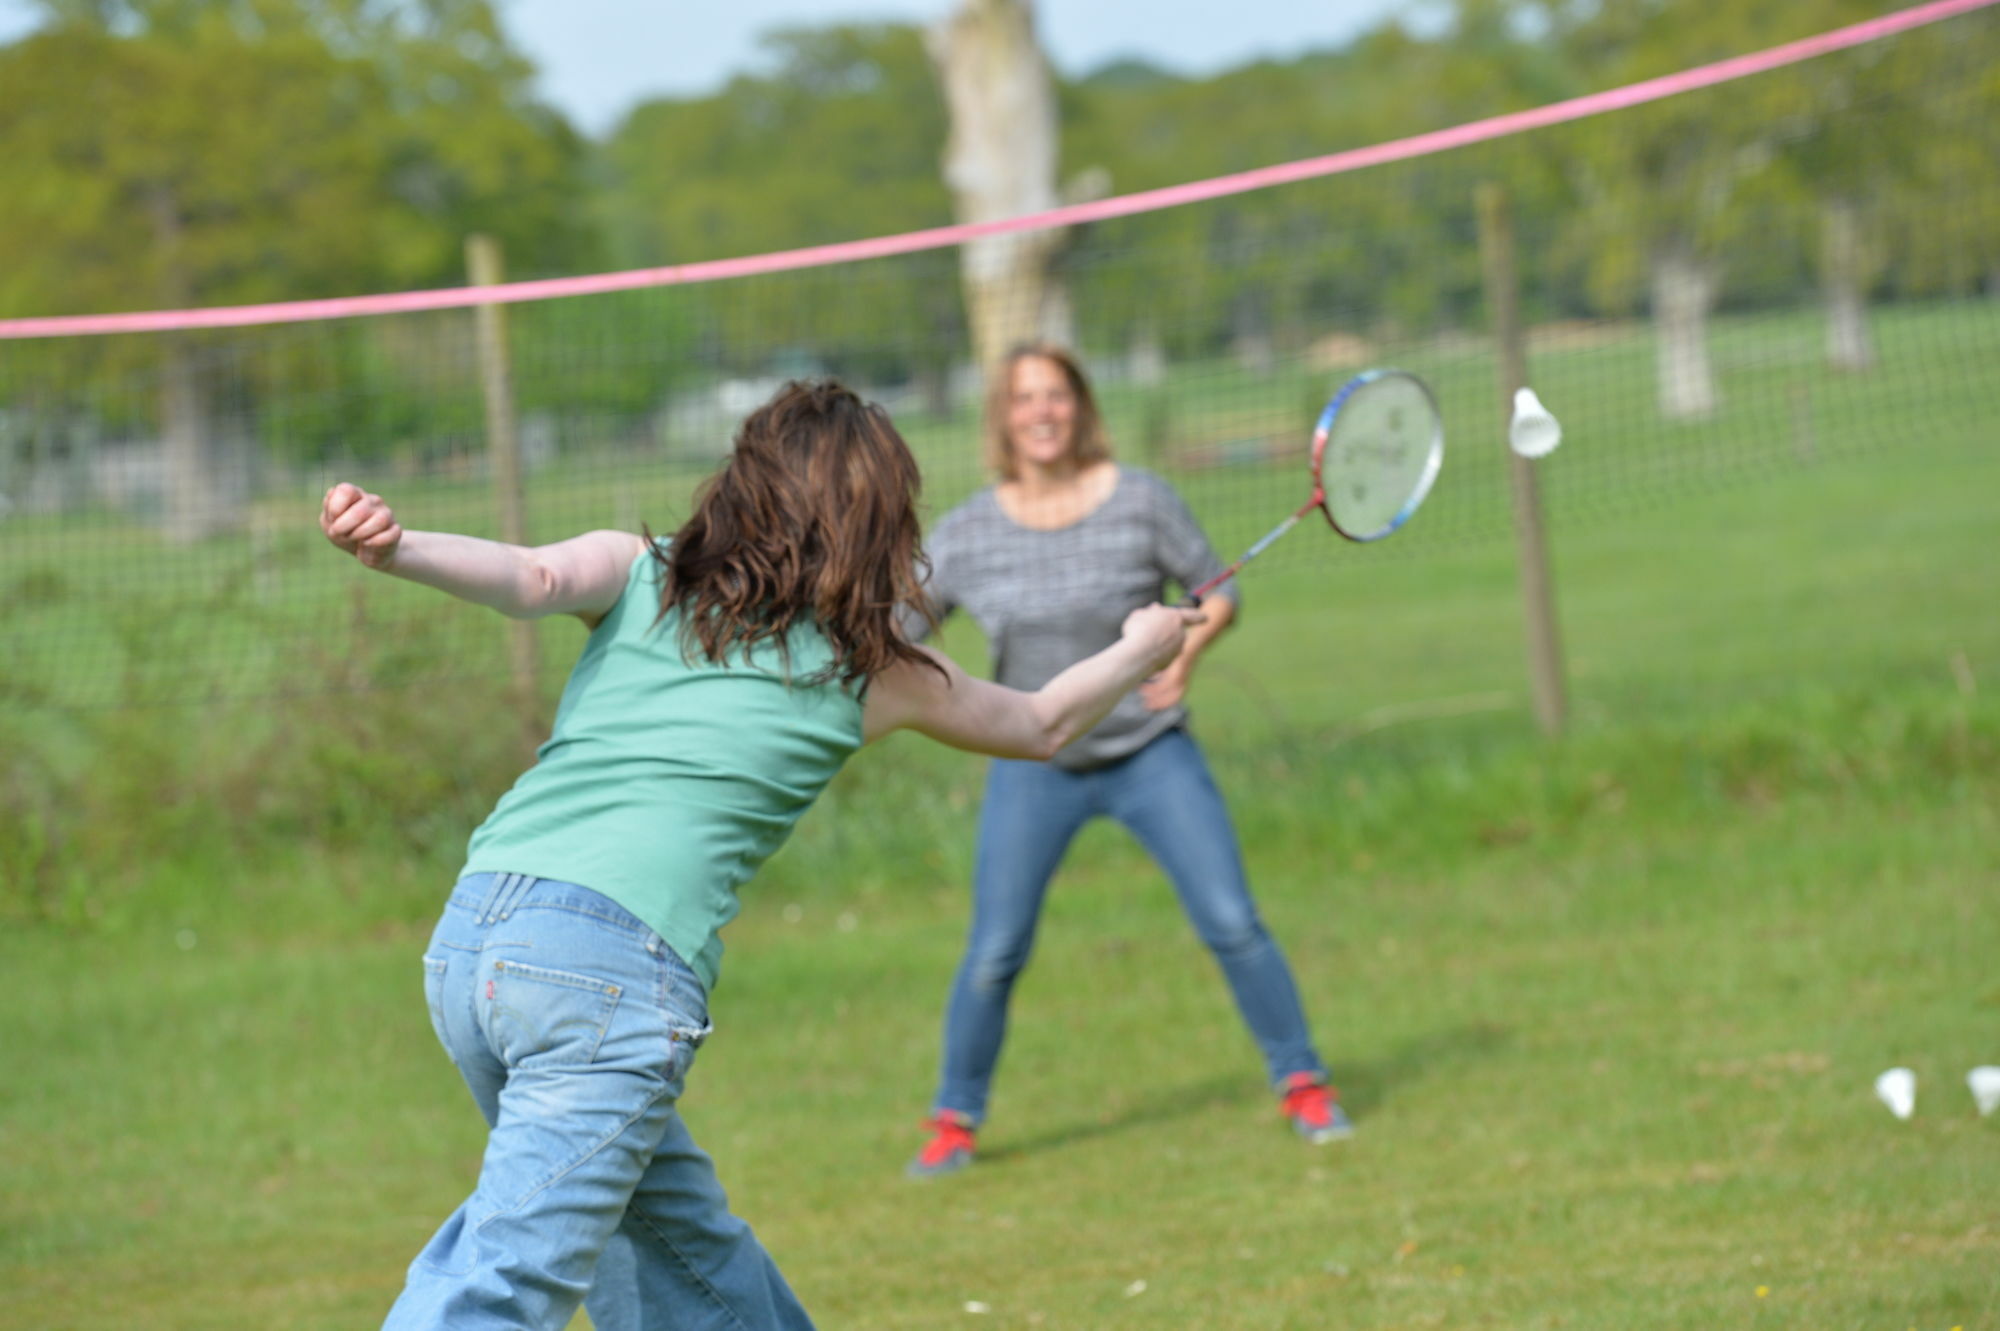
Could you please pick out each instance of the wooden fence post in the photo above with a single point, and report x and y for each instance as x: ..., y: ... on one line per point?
x: 503, y: 451
x: 1510, y: 357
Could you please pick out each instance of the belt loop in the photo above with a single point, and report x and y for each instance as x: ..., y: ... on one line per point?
x: 493, y: 890
x: 498, y: 896
x: 523, y: 884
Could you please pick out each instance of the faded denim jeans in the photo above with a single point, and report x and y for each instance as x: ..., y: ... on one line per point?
x: 574, y: 1026
x: 1165, y: 797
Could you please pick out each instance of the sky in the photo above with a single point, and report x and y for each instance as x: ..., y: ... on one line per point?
x: 599, y: 58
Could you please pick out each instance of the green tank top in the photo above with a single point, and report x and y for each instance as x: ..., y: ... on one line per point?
x: 667, y: 779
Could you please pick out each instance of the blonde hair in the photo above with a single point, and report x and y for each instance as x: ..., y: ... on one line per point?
x: 1088, y: 443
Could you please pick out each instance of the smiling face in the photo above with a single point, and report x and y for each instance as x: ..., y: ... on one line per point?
x: 1041, y: 421
x: 1041, y: 415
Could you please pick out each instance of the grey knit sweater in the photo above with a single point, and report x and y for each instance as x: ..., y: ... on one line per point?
x: 1047, y: 599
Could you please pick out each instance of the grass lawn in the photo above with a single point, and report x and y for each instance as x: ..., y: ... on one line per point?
x: 1606, y: 1010
x: 1614, y: 1081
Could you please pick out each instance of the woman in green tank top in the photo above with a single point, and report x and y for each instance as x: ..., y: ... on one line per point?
x: 728, y: 674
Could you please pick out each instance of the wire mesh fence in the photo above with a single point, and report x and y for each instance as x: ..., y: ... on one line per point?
x: 1739, y: 280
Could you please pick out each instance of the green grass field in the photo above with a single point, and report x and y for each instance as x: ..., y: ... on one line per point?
x: 1606, y: 1009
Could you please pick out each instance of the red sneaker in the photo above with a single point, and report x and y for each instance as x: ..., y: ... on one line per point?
x: 1314, y: 1109
x: 949, y: 1149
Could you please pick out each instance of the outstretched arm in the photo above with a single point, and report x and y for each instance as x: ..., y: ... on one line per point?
x: 583, y: 576
x: 966, y: 713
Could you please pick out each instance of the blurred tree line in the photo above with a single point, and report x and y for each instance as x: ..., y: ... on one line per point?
x: 200, y: 152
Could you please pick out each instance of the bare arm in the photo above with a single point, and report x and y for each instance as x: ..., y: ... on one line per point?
x: 975, y: 714
x: 583, y: 576
x: 1171, y: 684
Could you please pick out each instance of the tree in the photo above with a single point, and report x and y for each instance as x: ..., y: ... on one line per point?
x: 1909, y: 154
x: 1388, y: 250
x: 836, y: 139
x: 1000, y: 162
x: 168, y: 153
x: 1714, y: 185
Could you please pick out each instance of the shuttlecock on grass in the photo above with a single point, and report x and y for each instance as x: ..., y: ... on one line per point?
x: 1985, y: 1084
x: 1534, y: 432
x: 1897, y: 1088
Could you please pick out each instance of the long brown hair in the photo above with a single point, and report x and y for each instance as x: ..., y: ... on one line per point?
x: 813, y: 519
x: 1087, y: 441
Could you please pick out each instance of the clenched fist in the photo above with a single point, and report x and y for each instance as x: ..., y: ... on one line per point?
x: 361, y: 524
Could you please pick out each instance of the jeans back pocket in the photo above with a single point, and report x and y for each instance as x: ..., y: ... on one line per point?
x: 434, y: 969
x: 538, y: 1017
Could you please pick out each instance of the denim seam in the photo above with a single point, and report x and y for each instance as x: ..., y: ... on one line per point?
x: 631, y: 924
x: 474, y: 949
x: 568, y: 979
x: 666, y: 973
x: 511, y: 892
x: 693, y: 1271
x: 665, y: 1092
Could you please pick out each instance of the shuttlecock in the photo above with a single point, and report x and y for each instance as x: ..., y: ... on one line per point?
x: 1897, y: 1088
x: 1985, y: 1084
x: 1533, y: 433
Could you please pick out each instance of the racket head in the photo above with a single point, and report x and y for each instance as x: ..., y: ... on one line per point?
x: 1376, y: 452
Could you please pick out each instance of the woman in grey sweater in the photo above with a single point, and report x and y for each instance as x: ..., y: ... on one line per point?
x: 1049, y: 560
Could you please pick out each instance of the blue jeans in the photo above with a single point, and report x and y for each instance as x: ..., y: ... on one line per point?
x: 574, y: 1026
x: 1165, y: 797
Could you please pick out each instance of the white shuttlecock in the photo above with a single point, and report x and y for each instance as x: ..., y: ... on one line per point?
x: 1534, y: 432
x: 1897, y: 1088
x: 1985, y: 1084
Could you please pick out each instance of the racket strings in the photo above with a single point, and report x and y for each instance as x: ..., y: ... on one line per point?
x: 1383, y: 445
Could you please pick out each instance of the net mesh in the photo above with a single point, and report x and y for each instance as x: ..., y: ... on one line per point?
x: 1738, y: 281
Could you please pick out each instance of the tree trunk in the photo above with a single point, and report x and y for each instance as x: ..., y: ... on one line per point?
x: 1145, y: 358
x: 1684, y: 288
x: 1000, y: 161
x: 198, y: 502
x: 20, y: 435
x: 1250, y: 331
x: 1843, y: 277
x: 936, y: 351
